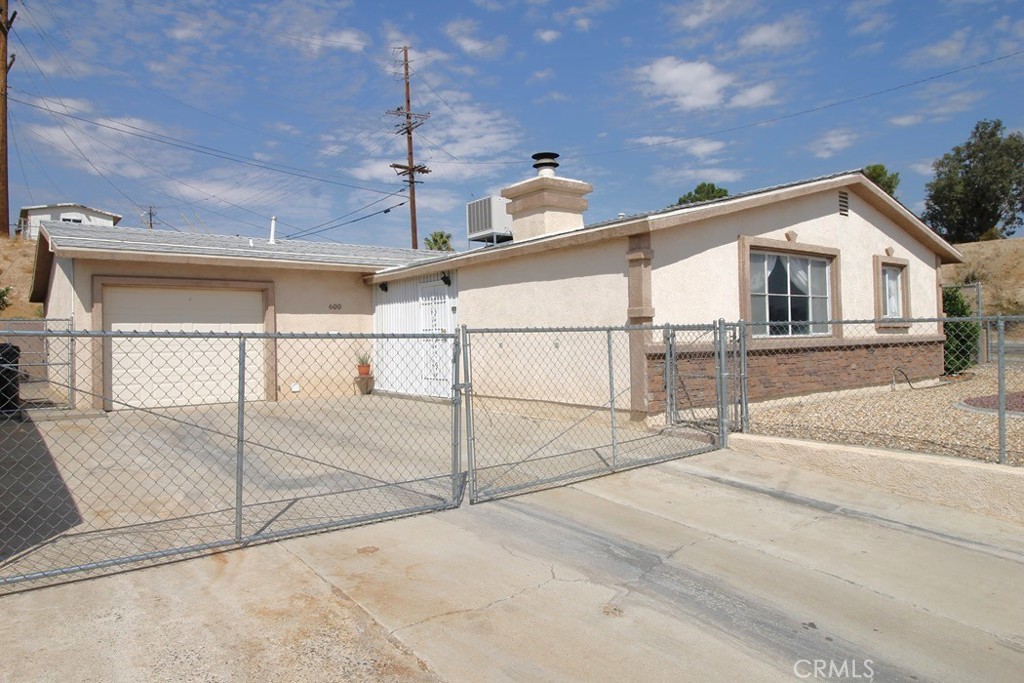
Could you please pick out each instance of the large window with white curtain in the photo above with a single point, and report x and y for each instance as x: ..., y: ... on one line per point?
x: 789, y: 295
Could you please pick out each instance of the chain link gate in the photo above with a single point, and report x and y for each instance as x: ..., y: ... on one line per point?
x: 550, y: 406
x: 182, y: 443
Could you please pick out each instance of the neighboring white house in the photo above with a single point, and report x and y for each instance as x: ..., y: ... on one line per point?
x: 78, y: 214
x: 787, y: 259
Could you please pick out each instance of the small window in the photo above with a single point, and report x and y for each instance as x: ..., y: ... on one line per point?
x: 789, y: 295
x: 892, y: 292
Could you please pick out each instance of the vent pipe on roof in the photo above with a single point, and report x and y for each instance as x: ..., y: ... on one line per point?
x: 273, y: 229
x: 545, y: 204
x: 545, y: 163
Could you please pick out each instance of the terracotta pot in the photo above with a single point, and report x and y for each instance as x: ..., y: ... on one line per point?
x: 364, y: 370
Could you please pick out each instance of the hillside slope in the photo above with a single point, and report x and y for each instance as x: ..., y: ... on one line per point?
x: 16, y: 260
x: 999, y: 266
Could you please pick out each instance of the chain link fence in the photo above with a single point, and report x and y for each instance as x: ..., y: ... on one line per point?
x: 552, y: 406
x: 120, y: 449
x: 179, y: 444
x: 919, y: 385
x: 44, y: 361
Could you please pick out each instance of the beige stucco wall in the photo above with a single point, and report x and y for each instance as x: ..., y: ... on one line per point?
x: 304, y: 301
x: 695, y: 269
x: 564, y: 287
x: 582, y: 286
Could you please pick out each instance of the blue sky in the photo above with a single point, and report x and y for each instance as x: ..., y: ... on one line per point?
x: 222, y: 114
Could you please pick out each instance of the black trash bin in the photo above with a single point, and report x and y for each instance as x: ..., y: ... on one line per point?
x: 10, y: 400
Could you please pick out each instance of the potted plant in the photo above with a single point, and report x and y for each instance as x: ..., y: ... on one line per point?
x: 363, y: 363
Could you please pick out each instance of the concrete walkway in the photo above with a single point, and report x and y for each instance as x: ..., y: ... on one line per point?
x: 722, y: 567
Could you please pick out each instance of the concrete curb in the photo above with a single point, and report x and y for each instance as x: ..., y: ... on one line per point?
x: 983, y: 488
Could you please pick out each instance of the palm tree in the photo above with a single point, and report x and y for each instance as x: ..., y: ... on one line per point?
x: 439, y: 241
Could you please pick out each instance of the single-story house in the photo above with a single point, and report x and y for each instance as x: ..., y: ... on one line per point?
x: 30, y: 217
x: 786, y: 259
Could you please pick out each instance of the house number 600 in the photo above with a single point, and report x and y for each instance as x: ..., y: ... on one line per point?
x: 335, y: 307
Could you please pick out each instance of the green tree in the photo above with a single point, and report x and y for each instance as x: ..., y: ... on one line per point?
x: 702, y: 193
x: 978, y: 189
x: 880, y: 175
x: 438, y: 241
x: 961, y: 347
x: 4, y: 300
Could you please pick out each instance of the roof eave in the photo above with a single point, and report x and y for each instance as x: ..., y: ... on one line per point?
x: 206, y: 259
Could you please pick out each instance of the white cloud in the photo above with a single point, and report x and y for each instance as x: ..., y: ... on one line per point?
x: 948, y: 51
x: 687, y: 85
x: 463, y: 32
x: 553, y: 96
x: 101, y: 149
x: 906, y: 120
x: 833, y: 142
x: 698, y: 147
x: 758, y: 95
x: 698, y: 13
x: 68, y: 105
x: 922, y: 167
x: 492, y: 5
x: 868, y: 17
x: 676, y: 176
x: 781, y: 35
x: 581, y: 16
x: 542, y: 75
x: 547, y: 35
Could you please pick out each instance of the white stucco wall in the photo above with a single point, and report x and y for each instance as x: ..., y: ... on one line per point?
x: 695, y: 268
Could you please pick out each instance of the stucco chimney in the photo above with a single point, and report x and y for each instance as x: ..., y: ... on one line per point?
x: 545, y: 204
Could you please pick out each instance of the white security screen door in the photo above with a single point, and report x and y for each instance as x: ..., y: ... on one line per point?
x: 435, y: 357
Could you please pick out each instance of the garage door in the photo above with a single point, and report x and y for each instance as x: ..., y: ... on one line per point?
x: 175, y: 372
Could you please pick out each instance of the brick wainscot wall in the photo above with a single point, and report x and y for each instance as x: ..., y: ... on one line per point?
x: 779, y: 368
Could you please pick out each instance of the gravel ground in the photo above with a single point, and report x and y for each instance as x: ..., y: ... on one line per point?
x: 931, y: 418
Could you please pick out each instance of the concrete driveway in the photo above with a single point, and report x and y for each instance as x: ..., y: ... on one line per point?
x: 721, y: 567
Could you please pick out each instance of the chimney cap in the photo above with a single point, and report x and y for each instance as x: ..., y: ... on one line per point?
x: 545, y: 162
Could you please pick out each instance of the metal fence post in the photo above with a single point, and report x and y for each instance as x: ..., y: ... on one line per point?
x: 611, y: 399
x: 668, y: 344
x: 1001, y: 330
x: 467, y: 387
x: 722, y: 375
x: 978, y: 313
x: 744, y: 406
x: 240, y: 439
x: 456, y: 421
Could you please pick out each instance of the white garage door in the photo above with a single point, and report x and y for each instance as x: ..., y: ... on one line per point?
x: 175, y: 372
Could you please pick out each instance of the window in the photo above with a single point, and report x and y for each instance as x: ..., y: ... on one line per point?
x: 789, y: 295
x: 892, y: 292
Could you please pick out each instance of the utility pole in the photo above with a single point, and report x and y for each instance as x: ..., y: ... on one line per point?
x: 150, y: 214
x: 5, y: 66
x: 410, y: 168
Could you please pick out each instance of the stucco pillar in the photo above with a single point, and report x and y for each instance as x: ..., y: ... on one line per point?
x: 640, y: 311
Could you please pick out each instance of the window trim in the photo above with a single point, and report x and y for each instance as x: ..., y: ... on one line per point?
x: 791, y: 248
x: 882, y: 323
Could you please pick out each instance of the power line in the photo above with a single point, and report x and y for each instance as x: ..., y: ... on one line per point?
x: 354, y: 220
x: 153, y: 136
x: 313, y: 229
